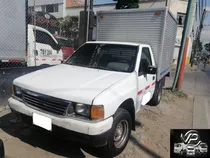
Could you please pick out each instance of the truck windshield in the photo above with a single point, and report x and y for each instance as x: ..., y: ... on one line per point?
x: 114, y: 57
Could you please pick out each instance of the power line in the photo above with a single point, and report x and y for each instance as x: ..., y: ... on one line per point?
x: 153, y: 3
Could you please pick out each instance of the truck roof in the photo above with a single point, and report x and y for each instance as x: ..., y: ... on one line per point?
x: 113, y: 42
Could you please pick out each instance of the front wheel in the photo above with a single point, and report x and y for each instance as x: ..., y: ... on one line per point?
x: 119, y: 133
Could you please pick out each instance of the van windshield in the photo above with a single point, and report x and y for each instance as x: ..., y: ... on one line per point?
x: 64, y: 42
x: 113, y: 57
x: 203, y: 145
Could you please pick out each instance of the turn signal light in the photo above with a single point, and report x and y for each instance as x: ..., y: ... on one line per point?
x: 97, y: 112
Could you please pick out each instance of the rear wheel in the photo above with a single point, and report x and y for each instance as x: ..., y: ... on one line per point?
x: 156, y: 98
x: 119, y: 134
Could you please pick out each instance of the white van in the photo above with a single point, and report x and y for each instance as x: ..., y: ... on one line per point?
x: 44, y: 49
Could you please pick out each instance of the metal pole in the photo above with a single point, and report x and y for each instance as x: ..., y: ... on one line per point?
x: 181, y: 50
x: 35, y: 32
x: 91, y: 5
x: 184, y: 56
x: 88, y: 18
x: 85, y: 9
x: 166, y: 3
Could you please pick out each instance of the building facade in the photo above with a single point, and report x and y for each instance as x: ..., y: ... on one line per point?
x: 55, y: 7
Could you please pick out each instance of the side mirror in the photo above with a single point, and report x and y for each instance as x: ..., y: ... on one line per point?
x: 58, y: 47
x: 2, y: 152
x: 152, y: 70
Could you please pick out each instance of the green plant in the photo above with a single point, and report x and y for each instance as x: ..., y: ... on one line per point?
x: 127, y: 4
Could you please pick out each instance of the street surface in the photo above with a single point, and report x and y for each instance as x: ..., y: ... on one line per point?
x: 197, y: 86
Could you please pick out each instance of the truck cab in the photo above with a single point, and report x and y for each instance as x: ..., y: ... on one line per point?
x: 98, y: 103
x: 43, y: 48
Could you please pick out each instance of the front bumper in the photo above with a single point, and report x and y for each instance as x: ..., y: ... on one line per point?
x: 93, y: 133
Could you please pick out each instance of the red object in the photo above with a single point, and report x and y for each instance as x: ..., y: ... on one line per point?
x: 139, y: 92
x: 14, y: 61
x: 147, y: 87
x: 66, y: 47
x: 67, y: 51
x: 181, y: 72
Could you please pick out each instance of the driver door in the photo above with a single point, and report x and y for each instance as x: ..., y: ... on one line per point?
x: 46, y: 52
x: 146, y: 82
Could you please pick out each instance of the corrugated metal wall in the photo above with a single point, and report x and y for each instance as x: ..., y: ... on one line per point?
x: 140, y: 26
x: 169, y: 44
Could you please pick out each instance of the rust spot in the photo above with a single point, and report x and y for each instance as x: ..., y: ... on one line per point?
x: 157, y: 13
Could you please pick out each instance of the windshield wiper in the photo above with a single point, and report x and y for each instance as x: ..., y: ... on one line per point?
x: 107, y: 68
x: 78, y: 64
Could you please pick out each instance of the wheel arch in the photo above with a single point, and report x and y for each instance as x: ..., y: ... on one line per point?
x: 128, y: 105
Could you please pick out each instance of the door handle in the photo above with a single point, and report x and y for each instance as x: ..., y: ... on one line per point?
x: 35, y: 52
x: 153, y: 78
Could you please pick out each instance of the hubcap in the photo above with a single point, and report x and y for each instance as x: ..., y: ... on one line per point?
x: 121, y: 134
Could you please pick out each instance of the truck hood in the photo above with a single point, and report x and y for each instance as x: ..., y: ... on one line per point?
x: 69, y: 82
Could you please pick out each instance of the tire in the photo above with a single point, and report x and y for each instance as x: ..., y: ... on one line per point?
x: 116, y: 143
x: 2, y: 154
x: 156, y: 98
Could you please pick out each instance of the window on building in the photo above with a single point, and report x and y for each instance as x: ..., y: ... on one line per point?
x: 43, y: 8
x: 30, y: 9
x: 51, y: 8
x: 181, y: 18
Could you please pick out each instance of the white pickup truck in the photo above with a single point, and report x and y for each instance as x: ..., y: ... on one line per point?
x: 96, y: 93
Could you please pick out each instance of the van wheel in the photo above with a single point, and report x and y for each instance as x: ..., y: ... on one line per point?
x: 119, y: 133
x: 156, y: 98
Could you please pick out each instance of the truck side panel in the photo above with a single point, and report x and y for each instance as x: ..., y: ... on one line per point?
x: 168, y: 45
x: 13, y: 29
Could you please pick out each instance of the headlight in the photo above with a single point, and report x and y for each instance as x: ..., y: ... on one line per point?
x: 82, y: 109
x: 90, y: 111
x: 17, y: 91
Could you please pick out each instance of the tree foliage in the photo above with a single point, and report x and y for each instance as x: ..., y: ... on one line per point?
x: 207, y: 47
x: 69, y: 28
x: 127, y: 4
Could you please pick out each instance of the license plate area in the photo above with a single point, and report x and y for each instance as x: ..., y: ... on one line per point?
x: 42, y: 121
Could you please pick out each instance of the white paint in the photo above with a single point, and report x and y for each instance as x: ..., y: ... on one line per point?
x: 80, y: 126
x: 69, y: 82
x: 144, y: 81
x: 42, y: 121
x: 146, y: 98
x: 88, y: 86
x: 31, y: 58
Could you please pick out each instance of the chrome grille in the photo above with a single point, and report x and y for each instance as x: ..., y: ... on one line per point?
x: 46, y: 103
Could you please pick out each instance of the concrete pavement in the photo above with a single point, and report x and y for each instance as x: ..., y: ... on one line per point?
x: 197, y: 86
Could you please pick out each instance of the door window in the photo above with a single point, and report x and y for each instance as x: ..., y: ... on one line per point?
x: 145, y: 61
x: 44, y: 38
